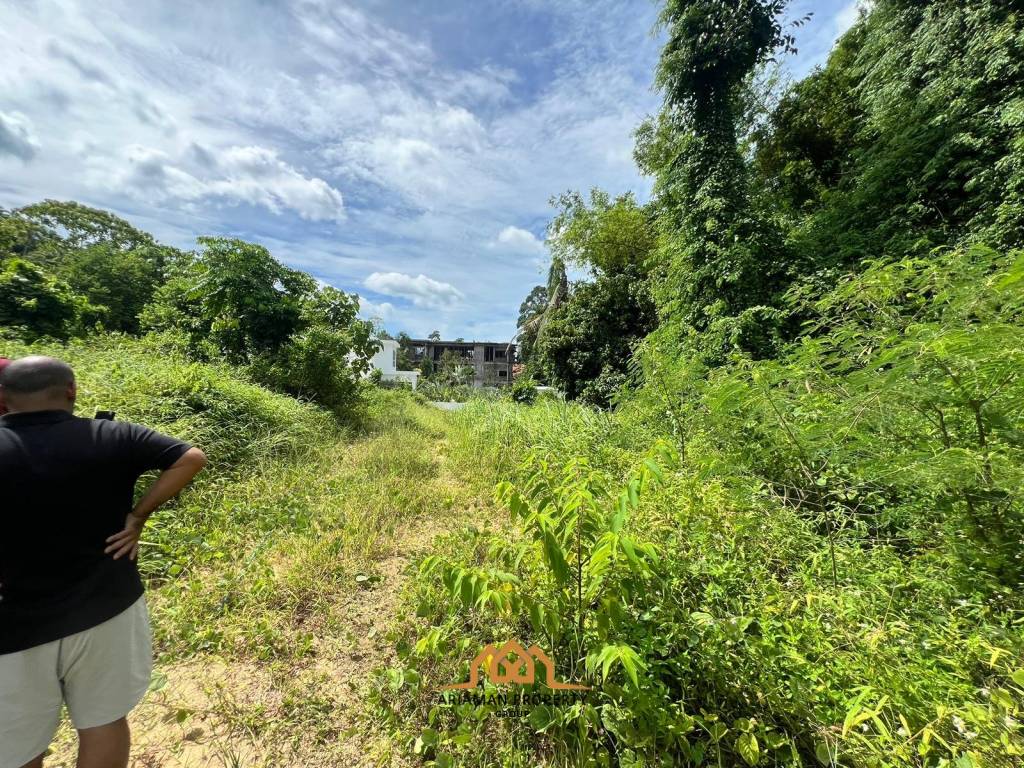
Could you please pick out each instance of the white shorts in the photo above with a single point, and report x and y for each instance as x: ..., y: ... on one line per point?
x: 101, y: 674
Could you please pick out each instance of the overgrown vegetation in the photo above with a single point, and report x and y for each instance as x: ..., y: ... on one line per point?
x: 791, y: 530
x: 799, y: 537
x: 253, y: 571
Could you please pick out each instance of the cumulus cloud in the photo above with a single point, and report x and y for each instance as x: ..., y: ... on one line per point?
x: 421, y: 290
x: 519, y: 240
x: 16, y: 137
x: 252, y: 175
x: 370, y: 309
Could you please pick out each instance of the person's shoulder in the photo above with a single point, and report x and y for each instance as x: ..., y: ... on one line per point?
x: 104, y: 428
x: 113, y: 426
x: 127, y: 430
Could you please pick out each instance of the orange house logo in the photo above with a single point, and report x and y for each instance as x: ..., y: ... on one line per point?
x: 511, y: 663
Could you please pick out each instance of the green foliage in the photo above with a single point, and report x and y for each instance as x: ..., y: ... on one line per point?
x: 836, y: 551
x: 233, y: 296
x: 18, y: 235
x: 569, y: 583
x: 607, y: 236
x: 806, y: 145
x: 404, y: 362
x: 273, y: 527
x: 73, y: 225
x: 120, y: 281
x: 581, y: 340
x: 909, y: 138
x: 320, y: 364
x: 534, y: 303
x: 101, y: 257
x: 34, y: 304
x: 523, y: 390
x: 151, y: 382
x: 441, y: 390
x: 531, y: 328
x: 586, y: 345
x: 719, y: 256
x: 712, y: 46
x: 68, y: 269
x: 450, y: 375
x: 234, y: 300
x: 531, y: 310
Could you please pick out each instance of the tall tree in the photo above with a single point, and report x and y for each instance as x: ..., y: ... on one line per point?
x: 531, y: 308
x: 235, y: 296
x: 97, y: 254
x: 583, y: 343
x: 532, y: 305
x: 719, y: 259
x: 555, y: 292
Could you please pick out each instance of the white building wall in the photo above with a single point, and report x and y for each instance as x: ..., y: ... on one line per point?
x: 386, y: 361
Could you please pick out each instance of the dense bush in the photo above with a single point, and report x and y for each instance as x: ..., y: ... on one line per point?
x: 34, y: 304
x: 587, y: 343
x: 523, y: 390
x: 809, y: 560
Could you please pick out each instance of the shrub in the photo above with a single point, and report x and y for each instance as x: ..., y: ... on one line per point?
x: 34, y: 304
x: 830, y: 575
x: 523, y: 390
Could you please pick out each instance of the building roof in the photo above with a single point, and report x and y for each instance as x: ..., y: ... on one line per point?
x: 462, y: 343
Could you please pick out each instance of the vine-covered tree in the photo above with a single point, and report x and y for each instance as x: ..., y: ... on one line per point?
x: 719, y: 266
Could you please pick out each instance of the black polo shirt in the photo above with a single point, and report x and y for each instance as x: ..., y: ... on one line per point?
x: 66, y: 484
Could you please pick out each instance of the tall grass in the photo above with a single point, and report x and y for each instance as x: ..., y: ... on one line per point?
x: 744, y: 636
x: 491, y: 436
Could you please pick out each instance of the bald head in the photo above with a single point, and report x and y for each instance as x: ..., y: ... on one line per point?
x: 37, y: 383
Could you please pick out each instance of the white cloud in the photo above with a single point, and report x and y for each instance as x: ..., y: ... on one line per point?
x: 16, y: 137
x: 421, y: 290
x: 373, y: 310
x: 257, y: 176
x: 253, y: 175
x: 430, y: 153
x: 519, y: 240
x: 848, y: 15
x: 436, y: 141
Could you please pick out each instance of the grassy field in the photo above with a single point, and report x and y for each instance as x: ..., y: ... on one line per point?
x: 319, y: 582
x: 273, y: 581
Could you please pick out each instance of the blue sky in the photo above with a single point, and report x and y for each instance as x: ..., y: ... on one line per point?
x: 404, y: 151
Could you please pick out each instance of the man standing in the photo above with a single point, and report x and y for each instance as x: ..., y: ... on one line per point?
x: 73, y: 622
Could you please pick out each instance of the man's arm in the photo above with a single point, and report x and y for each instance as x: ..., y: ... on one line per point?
x: 166, y: 486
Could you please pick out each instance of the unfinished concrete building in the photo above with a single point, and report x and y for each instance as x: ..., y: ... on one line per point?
x: 491, y: 361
